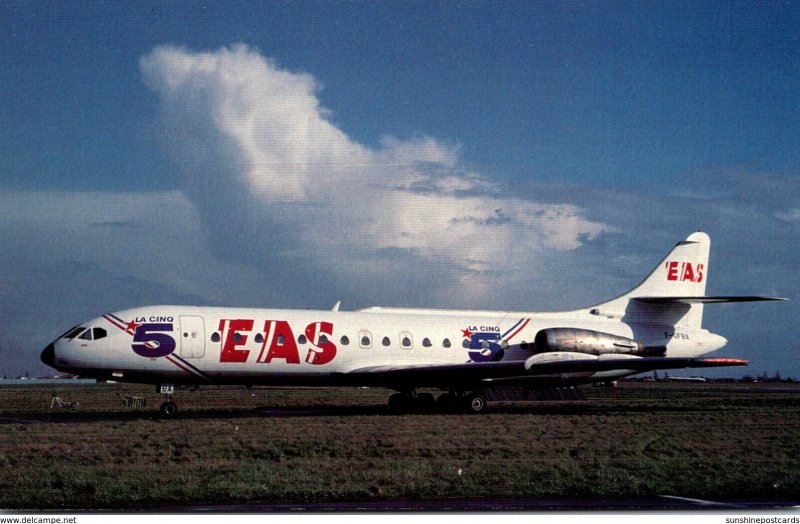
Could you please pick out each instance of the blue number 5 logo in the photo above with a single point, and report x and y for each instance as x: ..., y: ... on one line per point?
x: 150, y: 341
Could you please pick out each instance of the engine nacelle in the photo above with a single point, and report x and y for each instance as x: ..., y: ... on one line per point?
x: 590, y: 342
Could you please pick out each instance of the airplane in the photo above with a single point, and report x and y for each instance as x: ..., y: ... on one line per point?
x: 684, y: 379
x: 468, y: 355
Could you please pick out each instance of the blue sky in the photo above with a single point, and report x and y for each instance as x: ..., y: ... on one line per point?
x: 596, y: 134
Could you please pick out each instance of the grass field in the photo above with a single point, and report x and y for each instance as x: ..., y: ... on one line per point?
x: 717, y: 442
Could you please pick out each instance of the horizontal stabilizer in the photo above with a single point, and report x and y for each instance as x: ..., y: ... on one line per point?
x: 703, y: 299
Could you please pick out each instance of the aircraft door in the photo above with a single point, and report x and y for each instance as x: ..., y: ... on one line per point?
x: 193, y: 337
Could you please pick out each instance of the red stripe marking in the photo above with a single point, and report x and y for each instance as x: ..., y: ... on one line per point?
x: 178, y: 361
x: 512, y: 328
x: 520, y: 329
x: 117, y: 324
x: 187, y: 370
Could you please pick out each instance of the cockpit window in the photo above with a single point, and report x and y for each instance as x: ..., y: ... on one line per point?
x: 72, y: 333
x: 91, y: 334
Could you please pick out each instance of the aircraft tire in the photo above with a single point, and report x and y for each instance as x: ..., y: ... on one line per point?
x: 398, y: 403
x: 168, y: 409
x: 474, y: 404
x: 446, y: 403
x: 425, y: 403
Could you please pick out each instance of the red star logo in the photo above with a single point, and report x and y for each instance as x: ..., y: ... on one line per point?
x: 131, y: 326
x: 467, y: 333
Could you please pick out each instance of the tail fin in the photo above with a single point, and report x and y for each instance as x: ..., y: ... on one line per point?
x: 683, y: 273
x: 675, y: 291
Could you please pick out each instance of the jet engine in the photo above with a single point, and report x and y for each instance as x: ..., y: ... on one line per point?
x: 591, y: 342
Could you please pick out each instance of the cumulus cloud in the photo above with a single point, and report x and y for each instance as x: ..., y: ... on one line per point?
x: 279, y: 186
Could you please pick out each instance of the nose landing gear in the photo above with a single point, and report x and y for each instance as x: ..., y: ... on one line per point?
x: 168, y: 409
x: 412, y: 402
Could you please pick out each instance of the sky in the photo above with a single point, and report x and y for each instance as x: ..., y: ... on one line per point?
x: 529, y: 156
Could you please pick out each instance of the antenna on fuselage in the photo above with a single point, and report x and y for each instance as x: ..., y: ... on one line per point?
x: 336, y: 305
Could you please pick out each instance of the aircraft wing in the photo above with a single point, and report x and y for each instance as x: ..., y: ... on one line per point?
x: 475, y: 374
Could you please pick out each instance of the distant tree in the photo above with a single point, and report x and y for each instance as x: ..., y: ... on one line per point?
x: 777, y: 377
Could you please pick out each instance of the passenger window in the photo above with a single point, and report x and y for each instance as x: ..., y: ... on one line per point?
x: 465, y: 343
x: 99, y: 333
x: 323, y: 339
x: 87, y: 335
x: 446, y: 342
x: 406, y: 342
x: 386, y: 341
x: 215, y: 337
x: 259, y: 338
x: 281, y: 340
x: 302, y: 339
x: 237, y: 338
x: 344, y: 340
x: 426, y: 342
x: 365, y: 339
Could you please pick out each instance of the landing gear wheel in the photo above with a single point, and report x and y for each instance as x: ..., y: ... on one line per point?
x: 446, y: 403
x: 474, y: 403
x: 168, y: 409
x: 425, y: 403
x: 398, y: 403
x: 412, y: 403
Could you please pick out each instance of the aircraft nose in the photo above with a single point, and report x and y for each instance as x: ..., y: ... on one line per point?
x: 49, y: 355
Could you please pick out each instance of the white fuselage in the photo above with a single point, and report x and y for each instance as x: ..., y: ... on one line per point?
x: 197, y: 345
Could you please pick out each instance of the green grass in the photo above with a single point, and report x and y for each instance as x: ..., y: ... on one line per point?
x: 727, y: 442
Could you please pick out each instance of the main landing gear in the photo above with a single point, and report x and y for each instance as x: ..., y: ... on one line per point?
x: 452, y: 402
x: 168, y: 409
x: 412, y: 402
